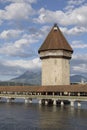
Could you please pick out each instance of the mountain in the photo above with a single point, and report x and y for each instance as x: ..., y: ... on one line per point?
x: 32, y: 77
x: 77, y: 78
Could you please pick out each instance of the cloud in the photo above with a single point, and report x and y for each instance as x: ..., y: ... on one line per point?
x: 47, y: 16
x: 16, y: 43
x: 1, y: 16
x: 8, y: 34
x: 16, y: 11
x: 80, y: 69
x: 20, y: 48
x: 71, y: 4
x: 13, y: 11
x: 77, y: 30
x: 79, y: 64
x: 37, y: 34
x: 22, y: 45
x: 76, y: 17
x: 81, y: 57
x: 20, y: 1
x: 75, y: 2
x: 26, y: 64
x: 79, y: 44
x: 18, y: 67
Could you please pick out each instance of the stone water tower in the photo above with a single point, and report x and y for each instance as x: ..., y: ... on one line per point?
x: 55, y: 53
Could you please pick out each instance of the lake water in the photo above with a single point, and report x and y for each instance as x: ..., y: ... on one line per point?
x: 20, y: 116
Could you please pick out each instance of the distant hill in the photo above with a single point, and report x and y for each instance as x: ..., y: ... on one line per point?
x: 33, y: 77
x: 77, y: 78
x: 30, y: 77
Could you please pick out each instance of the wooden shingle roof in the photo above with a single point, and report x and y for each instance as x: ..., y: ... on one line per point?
x: 55, y: 88
x: 55, y: 41
x: 63, y: 88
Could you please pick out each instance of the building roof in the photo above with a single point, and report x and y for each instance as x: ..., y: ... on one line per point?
x: 55, y: 41
x: 18, y: 88
x: 55, y: 88
x: 63, y: 88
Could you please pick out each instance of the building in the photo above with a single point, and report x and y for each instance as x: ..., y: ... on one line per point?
x: 55, y: 53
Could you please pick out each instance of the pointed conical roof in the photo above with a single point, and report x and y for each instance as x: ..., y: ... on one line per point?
x: 55, y: 41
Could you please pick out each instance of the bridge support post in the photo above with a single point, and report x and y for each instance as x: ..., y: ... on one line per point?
x: 26, y: 100
x: 60, y: 94
x: 54, y: 102
x: 78, y: 104
x: 69, y: 94
x: 62, y: 103
x: 78, y: 94
x: 72, y: 103
x: 30, y: 100
x: 40, y: 102
x: 46, y: 102
x: 9, y: 100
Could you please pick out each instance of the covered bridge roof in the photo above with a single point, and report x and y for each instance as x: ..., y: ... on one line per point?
x: 58, y: 88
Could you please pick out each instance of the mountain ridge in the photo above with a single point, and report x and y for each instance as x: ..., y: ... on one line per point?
x: 78, y: 78
x: 33, y: 77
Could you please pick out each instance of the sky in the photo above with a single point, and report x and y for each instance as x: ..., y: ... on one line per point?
x: 24, y: 25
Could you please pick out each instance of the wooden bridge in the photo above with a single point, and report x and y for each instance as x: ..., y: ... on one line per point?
x: 56, y: 95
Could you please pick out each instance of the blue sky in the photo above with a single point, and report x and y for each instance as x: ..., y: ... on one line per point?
x: 24, y: 24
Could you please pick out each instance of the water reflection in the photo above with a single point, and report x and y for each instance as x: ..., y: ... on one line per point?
x: 63, y: 118
x: 20, y: 116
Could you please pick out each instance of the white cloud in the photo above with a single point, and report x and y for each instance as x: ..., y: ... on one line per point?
x: 1, y: 16
x: 37, y: 34
x: 69, y: 8
x: 8, y: 34
x: 76, y: 17
x: 20, y: 1
x: 79, y: 44
x: 81, y: 68
x: 33, y: 38
x: 13, y: 11
x: 74, y: 31
x: 82, y: 57
x: 21, y: 64
x: 17, y: 11
x: 71, y: 4
x: 75, y: 2
x: 1, y: 13
x: 20, y: 43
x: 79, y: 64
x: 20, y: 48
x: 17, y: 67
x: 49, y: 16
x: 26, y: 64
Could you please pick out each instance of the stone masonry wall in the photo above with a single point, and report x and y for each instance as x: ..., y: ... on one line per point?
x: 55, y: 71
